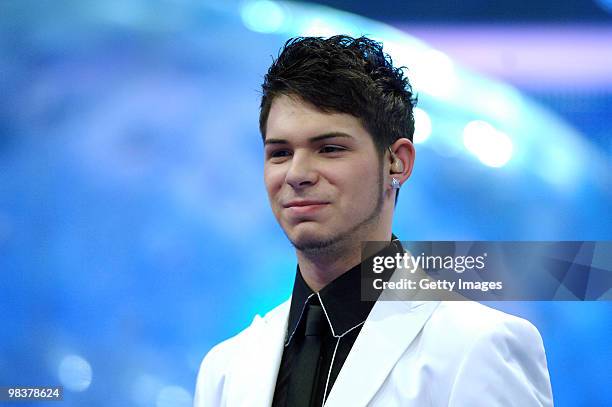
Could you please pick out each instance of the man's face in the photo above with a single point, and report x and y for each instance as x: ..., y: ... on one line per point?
x: 322, y: 173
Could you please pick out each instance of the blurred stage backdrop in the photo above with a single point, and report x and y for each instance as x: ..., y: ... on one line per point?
x: 135, y: 231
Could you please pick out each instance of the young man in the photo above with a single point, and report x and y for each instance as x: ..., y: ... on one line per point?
x: 337, y: 125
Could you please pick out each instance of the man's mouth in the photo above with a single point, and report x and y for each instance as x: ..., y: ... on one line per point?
x: 299, y: 208
x: 303, y: 203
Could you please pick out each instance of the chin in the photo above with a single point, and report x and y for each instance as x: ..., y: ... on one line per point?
x: 305, y: 238
x: 306, y: 233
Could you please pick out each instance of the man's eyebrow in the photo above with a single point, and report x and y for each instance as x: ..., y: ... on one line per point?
x: 314, y: 139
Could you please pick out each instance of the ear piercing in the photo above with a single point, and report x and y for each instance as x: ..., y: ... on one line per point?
x: 395, y: 183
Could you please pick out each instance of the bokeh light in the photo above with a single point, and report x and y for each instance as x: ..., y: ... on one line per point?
x: 491, y: 146
x: 422, y: 125
x: 75, y: 373
x: 263, y: 16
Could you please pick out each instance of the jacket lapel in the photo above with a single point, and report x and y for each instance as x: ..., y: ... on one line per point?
x: 254, y: 374
x: 391, y: 326
x: 386, y: 334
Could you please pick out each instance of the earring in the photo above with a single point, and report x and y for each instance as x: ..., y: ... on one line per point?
x: 395, y: 183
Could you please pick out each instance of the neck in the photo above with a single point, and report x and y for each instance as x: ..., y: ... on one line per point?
x: 318, y: 270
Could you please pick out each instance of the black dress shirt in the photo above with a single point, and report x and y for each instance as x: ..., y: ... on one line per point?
x: 345, y: 314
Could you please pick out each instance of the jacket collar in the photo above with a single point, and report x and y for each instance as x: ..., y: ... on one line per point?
x: 388, y: 331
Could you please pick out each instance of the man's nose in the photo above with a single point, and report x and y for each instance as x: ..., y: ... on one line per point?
x: 301, y: 172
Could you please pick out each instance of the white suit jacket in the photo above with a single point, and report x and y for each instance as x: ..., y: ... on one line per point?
x: 408, y: 353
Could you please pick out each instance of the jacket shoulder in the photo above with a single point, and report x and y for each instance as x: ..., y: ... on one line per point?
x: 213, y: 368
x: 472, y: 318
x: 495, y: 356
x: 229, y: 346
x: 470, y: 321
x: 468, y: 324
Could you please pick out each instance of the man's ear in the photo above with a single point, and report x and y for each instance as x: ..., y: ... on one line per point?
x: 401, y: 156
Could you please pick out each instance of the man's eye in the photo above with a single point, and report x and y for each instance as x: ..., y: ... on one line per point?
x: 279, y: 154
x: 332, y: 149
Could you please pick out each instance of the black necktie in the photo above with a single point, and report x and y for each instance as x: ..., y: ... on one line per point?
x: 304, y: 372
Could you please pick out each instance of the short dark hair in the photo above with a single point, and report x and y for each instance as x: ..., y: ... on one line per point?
x: 342, y: 74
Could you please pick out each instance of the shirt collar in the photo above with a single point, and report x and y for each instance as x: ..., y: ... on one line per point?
x: 341, y: 299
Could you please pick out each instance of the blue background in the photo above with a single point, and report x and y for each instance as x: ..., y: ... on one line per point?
x: 135, y: 231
